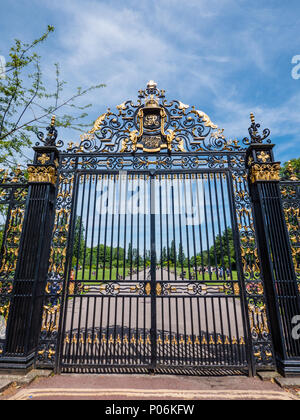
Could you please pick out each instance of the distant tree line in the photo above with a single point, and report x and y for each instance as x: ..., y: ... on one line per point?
x: 220, y: 253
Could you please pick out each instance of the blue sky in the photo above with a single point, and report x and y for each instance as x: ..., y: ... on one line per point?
x: 228, y: 58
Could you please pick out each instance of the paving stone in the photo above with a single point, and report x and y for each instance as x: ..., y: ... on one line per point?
x: 25, y: 379
x: 288, y: 382
x: 4, y: 384
x: 268, y: 375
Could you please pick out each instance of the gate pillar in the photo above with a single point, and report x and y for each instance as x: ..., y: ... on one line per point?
x: 25, y: 313
x: 274, y: 250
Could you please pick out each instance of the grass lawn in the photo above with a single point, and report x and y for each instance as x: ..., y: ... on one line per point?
x: 92, y: 275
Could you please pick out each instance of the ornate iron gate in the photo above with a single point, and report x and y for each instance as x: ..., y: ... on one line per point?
x: 154, y: 279
x: 153, y: 243
x: 154, y: 260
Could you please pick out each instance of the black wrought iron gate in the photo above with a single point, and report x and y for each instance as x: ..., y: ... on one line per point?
x: 154, y: 278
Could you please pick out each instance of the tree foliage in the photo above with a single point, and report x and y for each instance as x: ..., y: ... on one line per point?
x: 291, y: 169
x: 26, y: 104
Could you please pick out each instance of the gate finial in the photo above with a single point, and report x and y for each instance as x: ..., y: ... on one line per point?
x: 151, y: 84
x: 255, y: 137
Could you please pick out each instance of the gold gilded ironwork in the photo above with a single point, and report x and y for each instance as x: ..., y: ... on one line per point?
x: 122, y: 106
x: 161, y: 340
x: 151, y: 102
x: 41, y: 174
x: 148, y: 289
x: 207, y: 121
x: 182, y: 106
x: 293, y: 176
x: 236, y: 289
x: 265, y: 172
x: 99, y: 121
x: 263, y: 157
x: 50, y: 318
x: 44, y: 158
x: 151, y: 120
x: 158, y: 289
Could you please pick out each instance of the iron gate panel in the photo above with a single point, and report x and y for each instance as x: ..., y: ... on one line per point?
x: 152, y: 282
x: 13, y: 194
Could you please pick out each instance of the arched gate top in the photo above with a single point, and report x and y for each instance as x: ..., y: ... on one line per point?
x: 152, y: 124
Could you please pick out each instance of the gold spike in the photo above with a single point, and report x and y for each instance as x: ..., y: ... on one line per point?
x: 242, y: 341
x: 148, y: 341
x: 211, y: 340
x: 197, y: 342
x: 111, y: 340
x: 234, y: 340
x: 204, y: 340
x: 181, y: 340
x: 89, y: 340
x: 174, y: 341
x: 226, y: 340
x: 159, y: 340
x: 74, y: 339
x: 167, y: 341
x: 96, y: 339
x: 189, y: 341
x: 103, y: 339
x: 133, y: 340
x: 219, y: 341
x: 81, y: 340
x: 118, y: 340
x: 141, y: 341
x: 67, y: 340
x: 125, y: 340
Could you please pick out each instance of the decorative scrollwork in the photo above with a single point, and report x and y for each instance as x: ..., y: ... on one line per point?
x: 16, y: 176
x: 51, y: 136
x: 290, y: 193
x: 151, y: 125
x: 261, y: 337
x: 255, y: 137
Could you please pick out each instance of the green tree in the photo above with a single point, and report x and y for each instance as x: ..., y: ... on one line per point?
x: 172, y: 252
x: 223, y: 249
x: 129, y: 254
x: 164, y: 256
x: 79, y: 242
x: 181, y: 256
x: 26, y: 104
x: 291, y: 169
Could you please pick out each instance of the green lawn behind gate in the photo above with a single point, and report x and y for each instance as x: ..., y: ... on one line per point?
x: 111, y: 274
